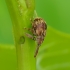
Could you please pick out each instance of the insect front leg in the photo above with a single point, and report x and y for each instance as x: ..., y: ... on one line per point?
x: 30, y: 36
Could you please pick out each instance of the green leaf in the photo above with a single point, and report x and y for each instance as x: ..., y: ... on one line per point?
x: 54, y: 53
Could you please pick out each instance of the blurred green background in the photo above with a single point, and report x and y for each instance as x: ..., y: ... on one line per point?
x: 54, y: 54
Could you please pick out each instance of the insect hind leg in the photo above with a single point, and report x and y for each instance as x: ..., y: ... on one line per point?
x: 37, y: 49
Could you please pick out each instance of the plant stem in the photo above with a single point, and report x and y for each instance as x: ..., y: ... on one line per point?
x: 21, y: 11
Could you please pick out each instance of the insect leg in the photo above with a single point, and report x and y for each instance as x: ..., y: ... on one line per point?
x: 30, y: 36
x: 36, y: 52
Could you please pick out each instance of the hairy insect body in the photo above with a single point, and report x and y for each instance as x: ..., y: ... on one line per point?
x: 39, y: 30
x: 39, y: 27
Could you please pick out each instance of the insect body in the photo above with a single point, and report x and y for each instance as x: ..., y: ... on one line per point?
x: 39, y: 31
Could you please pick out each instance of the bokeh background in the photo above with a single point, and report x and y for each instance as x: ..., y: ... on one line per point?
x: 54, y: 54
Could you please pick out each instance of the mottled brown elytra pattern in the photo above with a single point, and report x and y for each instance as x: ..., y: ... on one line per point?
x: 38, y: 30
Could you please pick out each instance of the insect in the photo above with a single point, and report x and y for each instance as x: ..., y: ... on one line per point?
x: 38, y: 30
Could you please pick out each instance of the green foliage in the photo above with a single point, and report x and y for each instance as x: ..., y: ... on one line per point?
x: 20, y: 12
x: 7, y: 57
x: 54, y: 53
x: 56, y: 13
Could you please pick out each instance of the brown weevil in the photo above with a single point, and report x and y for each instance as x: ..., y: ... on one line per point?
x: 38, y: 30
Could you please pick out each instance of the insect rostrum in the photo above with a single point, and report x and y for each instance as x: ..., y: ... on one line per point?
x: 38, y: 30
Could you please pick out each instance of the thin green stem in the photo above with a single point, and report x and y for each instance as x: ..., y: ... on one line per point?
x: 21, y: 11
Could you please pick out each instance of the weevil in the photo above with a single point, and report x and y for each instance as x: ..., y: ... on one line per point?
x: 38, y: 30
